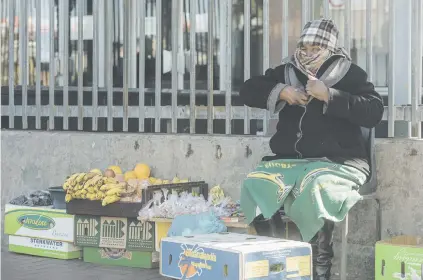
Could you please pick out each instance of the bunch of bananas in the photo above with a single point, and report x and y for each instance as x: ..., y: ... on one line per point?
x: 93, y: 186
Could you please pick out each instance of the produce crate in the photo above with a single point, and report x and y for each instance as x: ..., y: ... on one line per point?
x: 117, y: 209
x: 130, y: 209
x: 199, y: 187
x: 121, y: 257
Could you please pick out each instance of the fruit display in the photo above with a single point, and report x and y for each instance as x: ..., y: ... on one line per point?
x: 113, y: 184
x: 94, y: 186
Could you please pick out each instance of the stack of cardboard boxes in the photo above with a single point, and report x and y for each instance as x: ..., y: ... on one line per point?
x: 41, y: 231
x: 117, y: 241
x: 48, y: 232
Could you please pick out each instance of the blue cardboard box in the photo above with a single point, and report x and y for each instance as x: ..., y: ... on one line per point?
x: 232, y: 256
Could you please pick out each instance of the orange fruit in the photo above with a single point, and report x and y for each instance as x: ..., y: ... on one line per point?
x: 115, y: 169
x: 142, y: 171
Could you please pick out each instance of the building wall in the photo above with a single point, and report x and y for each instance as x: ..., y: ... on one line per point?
x: 38, y: 160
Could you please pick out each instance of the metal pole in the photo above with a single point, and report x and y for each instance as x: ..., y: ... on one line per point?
x: 347, y: 26
x: 228, y: 96
x: 326, y: 12
x: 126, y: 18
x: 52, y: 67
x: 80, y: 10
x: 141, y: 86
x: 38, y: 64
x: 11, y: 64
x: 305, y: 16
x: 158, y: 64
x: 391, y: 85
x: 96, y: 12
x: 369, y: 40
x: 266, y: 43
x: 247, y: 57
x: 193, y: 54
x: 65, y: 60
x: 175, y: 30
x: 416, y: 68
x: 109, y: 62
x: 285, y: 32
x: 210, y: 67
x: 23, y: 33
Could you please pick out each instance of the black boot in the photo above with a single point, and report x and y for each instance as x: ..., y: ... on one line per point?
x: 323, y: 252
x: 263, y: 226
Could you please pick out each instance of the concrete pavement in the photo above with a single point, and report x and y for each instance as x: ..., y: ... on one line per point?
x: 23, y: 267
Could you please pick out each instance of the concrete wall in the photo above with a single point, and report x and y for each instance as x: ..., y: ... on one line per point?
x: 38, y: 160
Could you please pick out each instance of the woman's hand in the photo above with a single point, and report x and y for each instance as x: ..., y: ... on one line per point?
x: 317, y: 89
x: 293, y: 96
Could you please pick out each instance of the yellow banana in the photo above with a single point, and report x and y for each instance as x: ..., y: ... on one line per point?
x: 89, y: 176
x: 66, y: 185
x: 114, y: 191
x: 110, y: 199
x: 108, y: 180
x: 68, y: 198
x: 80, y: 177
x: 107, y: 187
x: 91, y: 190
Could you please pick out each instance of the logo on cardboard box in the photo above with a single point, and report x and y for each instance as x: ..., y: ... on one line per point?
x: 109, y: 232
x: 193, y: 260
x: 115, y: 254
x: 36, y: 222
x: 140, y: 234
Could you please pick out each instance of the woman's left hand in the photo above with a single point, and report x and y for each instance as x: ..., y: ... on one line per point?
x: 317, y: 89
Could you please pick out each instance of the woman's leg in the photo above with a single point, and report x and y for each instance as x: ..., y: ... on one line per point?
x: 323, y: 252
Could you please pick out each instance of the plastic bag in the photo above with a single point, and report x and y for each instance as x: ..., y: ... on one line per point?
x: 36, y: 198
x: 201, y: 223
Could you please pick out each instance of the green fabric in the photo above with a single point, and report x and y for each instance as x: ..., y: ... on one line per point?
x: 310, y: 191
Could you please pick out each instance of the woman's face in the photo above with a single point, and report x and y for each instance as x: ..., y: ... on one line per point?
x: 309, y: 50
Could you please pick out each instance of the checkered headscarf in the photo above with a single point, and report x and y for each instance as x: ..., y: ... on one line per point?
x: 322, y: 33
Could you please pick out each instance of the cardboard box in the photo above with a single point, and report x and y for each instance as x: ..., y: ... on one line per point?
x: 399, y: 258
x: 234, y: 256
x: 39, y: 222
x: 114, y: 232
x: 121, y: 257
x: 44, y: 248
x: 161, y: 229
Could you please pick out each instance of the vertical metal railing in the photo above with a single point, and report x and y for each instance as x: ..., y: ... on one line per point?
x: 228, y: 95
x: 52, y: 66
x: 65, y: 61
x: 69, y: 79
x: 391, y: 78
x: 23, y: 60
x: 247, y: 57
x: 158, y: 79
x: 416, y: 65
x: 193, y: 56
x: 266, y: 54
x: 38, y: 64
x: 80, y: 13
x: 175, y: 33
x: 210, y: 73
x: 96, y: 15
x: 141, y: 67
x: 285, y: 28
x: 12, y: 64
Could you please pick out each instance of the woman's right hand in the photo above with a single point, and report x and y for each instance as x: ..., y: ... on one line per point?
x: 294, y: 96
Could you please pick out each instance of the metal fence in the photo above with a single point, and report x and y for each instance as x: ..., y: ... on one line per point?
x: 176, y: 66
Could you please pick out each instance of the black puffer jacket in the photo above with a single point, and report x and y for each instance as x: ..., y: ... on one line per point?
x: 331, y: 131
